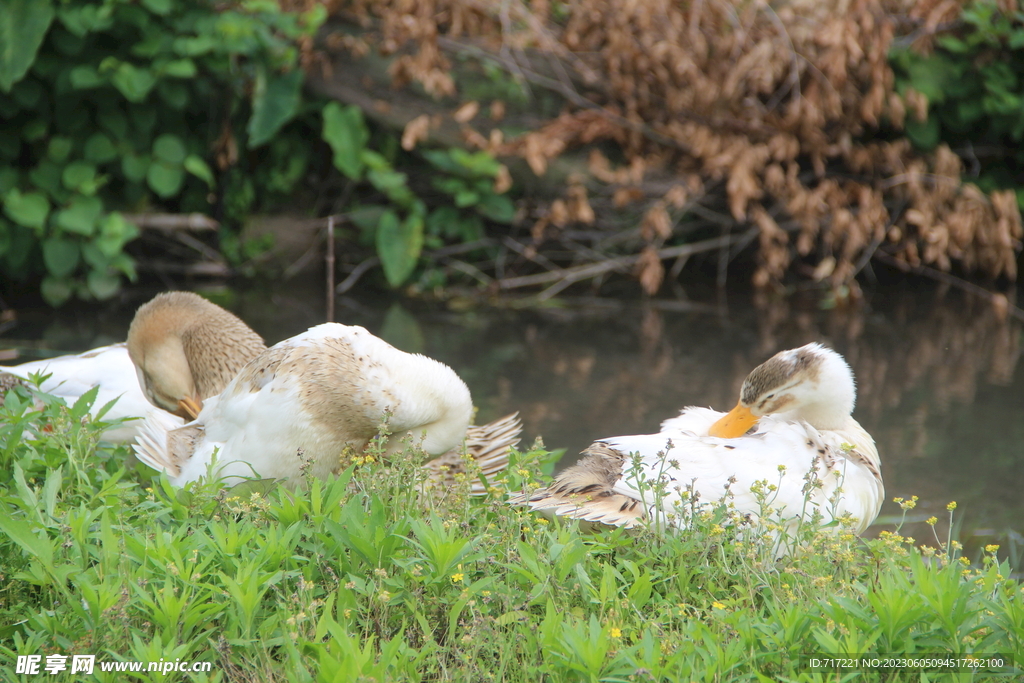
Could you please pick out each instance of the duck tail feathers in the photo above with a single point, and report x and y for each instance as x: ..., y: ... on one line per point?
x: 152, y: 444
x: 585, y: 491
x: 485, y: 451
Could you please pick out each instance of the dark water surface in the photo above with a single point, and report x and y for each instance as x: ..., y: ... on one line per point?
x: 939, y: 374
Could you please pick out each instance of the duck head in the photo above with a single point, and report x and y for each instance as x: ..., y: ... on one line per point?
x: 186, y: 349
x: 812, y: 383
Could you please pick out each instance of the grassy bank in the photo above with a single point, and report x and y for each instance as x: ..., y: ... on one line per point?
x: 362, y: 577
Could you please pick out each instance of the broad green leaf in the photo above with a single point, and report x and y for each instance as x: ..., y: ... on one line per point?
x: 55, y: 290
x: 497, y: 207
x: 22, y: 533
x: 115, y: 232
x: 35, y: 130
x: 275, y: 101
x: 170, y: 149
x: 78, y: 173
x: 102, y: 284
x: 94, y: 256
x: 179, y: 68
x: 59, y: 148
x: 99, y: 148
x: 22, y: 29
x: 81, y: 19
x: 135, y: 166
x: 46, y: 176
x: 81, y: 216
x: 85, y: 77
x: 194, y: 46
x: 161, y: 7
x: 386, y: 181
x: 134, y: 82
x: 60, y: 256
x: 174, y: 93
x: 165, y: 179
x: 465, y: 198
x: 197, y: 167
x: 924, y: 134
x: 398, y: 245
x: 8, y: 179
x: 29, y: 209
x: 346, y: 133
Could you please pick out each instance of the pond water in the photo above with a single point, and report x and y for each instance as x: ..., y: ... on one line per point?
x: 939, y: 374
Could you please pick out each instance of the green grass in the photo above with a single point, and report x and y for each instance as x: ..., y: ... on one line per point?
x: 364, y: 577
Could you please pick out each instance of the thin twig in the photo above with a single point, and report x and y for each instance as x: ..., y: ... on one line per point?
x: 330, y: 269
x: 584, y: 272
x: 357, y: 273
x: 953, y: 280
x: 171, y: 221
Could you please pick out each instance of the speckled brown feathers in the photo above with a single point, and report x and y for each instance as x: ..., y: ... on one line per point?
x: 776, y: 372
x: 8, y: 382
x: 485, y: 452
x: 584, y: 491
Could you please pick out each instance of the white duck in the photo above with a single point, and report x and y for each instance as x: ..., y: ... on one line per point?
x: 107, y: 367
x: 794, y: 412
x: 309, y: 397
x: 187, y: 349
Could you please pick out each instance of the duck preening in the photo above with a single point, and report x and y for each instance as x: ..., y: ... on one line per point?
x: 792, y: 428
x: 294, y: 409
x: 181, y: 349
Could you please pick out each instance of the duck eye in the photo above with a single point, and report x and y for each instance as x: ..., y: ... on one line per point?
x: 771, y: 395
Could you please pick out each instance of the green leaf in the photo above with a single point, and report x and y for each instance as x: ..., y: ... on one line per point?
x: 197, y: 167
x: 84, y: 77
x: 46, y: 176
x: 115, y: 232
x: 60, y: 256
x: 82, y: 19
x: 497, y: 207
x: 174, y: 93
x: 24, y: 25
x: 78, y: 173
x: 346, y: 133
x: 135, y: 166
x: 194, y: 46
x: 165, y: 179
x: 102, y: 284
x: 55, y: 290
x: 275, y: 101
x: 99, y: 149
x: 22, y: 533
x: 923, y: 134
x: 81, y: 216
x: 29, y: 209
x: 8, y: 179
x: 133, y: 82
x: 34, y: 130
x: 399, y: 245
x: 170, y: 149
x: 59, y: 148
x: 179, y: 68
x: 160, y: 7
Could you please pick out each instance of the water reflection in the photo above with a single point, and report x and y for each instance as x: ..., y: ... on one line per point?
x: 940, y: 381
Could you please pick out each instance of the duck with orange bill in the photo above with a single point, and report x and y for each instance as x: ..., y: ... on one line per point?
x: 792, y: 428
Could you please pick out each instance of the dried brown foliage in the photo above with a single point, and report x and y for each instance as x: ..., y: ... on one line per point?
x: 766, y: 104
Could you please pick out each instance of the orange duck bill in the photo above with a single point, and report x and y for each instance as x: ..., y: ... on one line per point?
x: 735, y: 423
